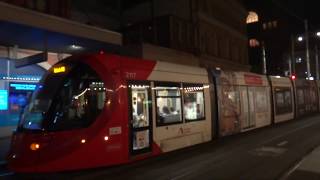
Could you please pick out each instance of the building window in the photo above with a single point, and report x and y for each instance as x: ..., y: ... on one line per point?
x: 264, y: 26
x: 168, y: 100
x: 252, y: 17
x: 254, y: 43
x: 193, y: 102
x: 275, y: 24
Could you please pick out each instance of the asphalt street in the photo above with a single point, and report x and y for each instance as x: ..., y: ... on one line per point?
x: 268, y: 153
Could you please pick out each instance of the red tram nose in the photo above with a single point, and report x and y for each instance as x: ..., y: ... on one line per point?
x: 24, y: 152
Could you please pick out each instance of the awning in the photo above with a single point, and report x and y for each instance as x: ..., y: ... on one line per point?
x: 34, y: 30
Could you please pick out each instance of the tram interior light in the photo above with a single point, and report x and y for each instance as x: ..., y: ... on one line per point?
x: 76, y: 47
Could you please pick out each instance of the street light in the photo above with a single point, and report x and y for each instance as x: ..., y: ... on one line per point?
x: 300, y: 39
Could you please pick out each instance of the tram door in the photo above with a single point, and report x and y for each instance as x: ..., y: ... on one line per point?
x: 247, y: 107
x: 251, y: 95
x: 140, y: 118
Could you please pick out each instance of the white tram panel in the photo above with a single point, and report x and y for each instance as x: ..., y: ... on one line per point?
x: 176, y: 136
x: 283, y: 98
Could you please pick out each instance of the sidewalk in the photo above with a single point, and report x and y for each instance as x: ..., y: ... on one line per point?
x: 308, y: 168
x: 4, y: 148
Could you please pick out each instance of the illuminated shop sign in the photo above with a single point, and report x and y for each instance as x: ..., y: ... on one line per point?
x: 23, y: 87
x: 20, y: 78
x: 3, y: 100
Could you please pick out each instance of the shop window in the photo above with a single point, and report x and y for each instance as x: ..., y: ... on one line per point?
x: 168, y: 100
x: 193, y: 104
x: 283, y: 100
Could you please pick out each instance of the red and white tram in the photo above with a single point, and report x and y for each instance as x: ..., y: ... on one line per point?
x: 103, y: 110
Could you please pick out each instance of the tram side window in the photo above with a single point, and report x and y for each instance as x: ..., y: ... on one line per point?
x: 168, y: 100
x: 193, y: 104
x: 300, y: 96
x: 79, y: 102
x: 283, y: 99
x: 313, y: 96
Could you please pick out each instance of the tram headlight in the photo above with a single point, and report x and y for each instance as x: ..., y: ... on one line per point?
x: 106, y: 138
x: 34, y: 146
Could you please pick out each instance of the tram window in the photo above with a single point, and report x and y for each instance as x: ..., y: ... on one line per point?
x: 283, y: 100
x: 193, y: 105
x: 140, y: 105
x: 79, y: 101
x: 313, y: 96
x: 141, y: 140
x: 168, y: 100
x: 300, y: 96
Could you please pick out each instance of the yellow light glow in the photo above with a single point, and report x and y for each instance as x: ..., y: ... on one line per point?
x: 34, y: 146
x: 83, y: 141
x: 60, y: 69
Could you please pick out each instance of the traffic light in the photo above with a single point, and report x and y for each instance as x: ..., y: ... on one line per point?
x: 293, y: 77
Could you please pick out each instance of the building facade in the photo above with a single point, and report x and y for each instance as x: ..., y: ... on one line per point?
x: 212, y: 31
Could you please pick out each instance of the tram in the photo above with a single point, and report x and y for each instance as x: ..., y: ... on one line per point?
x: 103, y: 109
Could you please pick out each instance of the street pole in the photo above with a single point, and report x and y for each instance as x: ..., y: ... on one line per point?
x: 307, y: 48
x: 293, y: 59
x: 317, y: 62
x: 290, y: 66
x: 264, y: 60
